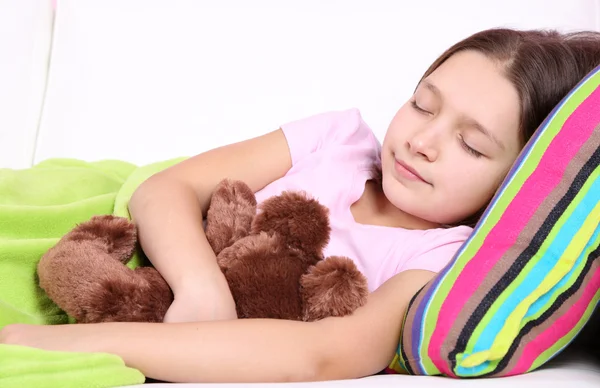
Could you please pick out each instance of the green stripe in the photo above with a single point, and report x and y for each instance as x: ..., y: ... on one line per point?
x: 426, y: 362
x: 494, y: 363
x: 567, y: 284
x: 528, y: 166
x: 564, y: 341
x: 581, y: 195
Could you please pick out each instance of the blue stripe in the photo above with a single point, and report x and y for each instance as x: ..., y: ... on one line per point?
x: 540, y: 270
x: 421, y: 320
x: 547, y: 299
x: 421, y: 353
x: 576, y: 333
x: 590, y: 246
x: 533, y: 142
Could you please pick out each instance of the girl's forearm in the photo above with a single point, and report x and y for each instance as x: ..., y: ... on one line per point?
x: 246, y: 350
x: 225, y: 351
x: 169, y: 221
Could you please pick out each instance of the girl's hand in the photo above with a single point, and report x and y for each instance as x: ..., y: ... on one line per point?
x: 55, y: 337
x: 208, y: 298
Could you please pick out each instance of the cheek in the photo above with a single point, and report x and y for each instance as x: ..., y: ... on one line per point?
x: 471, y: 186
x: 399, y: 126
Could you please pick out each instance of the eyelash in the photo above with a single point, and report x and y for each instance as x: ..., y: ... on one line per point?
x: 417, y: 107
x: 470, y: 150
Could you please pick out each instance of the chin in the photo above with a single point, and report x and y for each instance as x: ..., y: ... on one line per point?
x: 401, y: 197
x: 411, y: 203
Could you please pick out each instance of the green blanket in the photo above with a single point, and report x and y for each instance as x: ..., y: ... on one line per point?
x: 39, y: 205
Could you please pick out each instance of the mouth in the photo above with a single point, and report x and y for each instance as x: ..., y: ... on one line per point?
x: 408, y: 172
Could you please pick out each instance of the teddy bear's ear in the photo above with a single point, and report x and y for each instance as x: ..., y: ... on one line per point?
x: 117, y: 236
x: 302, y: 222
x: 86, y: 276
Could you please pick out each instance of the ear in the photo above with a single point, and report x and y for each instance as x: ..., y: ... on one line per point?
x: 117, y: 236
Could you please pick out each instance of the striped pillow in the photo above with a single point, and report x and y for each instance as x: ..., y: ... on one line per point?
x: 527, y: 280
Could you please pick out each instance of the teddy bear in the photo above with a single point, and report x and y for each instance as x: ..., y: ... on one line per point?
x: 271, y: 255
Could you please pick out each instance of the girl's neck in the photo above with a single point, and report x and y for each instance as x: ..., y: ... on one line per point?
x: 374, y: 208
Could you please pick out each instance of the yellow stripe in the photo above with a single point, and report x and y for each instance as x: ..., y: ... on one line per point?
x: 563, y: 266
x: 509, y: 331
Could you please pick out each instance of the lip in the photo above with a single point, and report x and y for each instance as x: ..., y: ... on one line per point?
x: 409, y: 172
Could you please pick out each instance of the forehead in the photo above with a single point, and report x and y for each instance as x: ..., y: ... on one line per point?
x: 473, y: 86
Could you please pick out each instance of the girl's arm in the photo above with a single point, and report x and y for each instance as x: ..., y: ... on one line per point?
x: 168, y: 209
x: 263, y: 350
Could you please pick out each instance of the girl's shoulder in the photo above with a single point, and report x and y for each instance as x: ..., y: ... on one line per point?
x: 326, y: 130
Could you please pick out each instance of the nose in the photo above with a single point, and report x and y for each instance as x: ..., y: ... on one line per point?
x: 425, y: 143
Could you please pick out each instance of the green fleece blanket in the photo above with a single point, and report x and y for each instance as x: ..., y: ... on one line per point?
x: 39, y: 205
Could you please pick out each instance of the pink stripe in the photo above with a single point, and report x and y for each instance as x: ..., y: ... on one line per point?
x: 559, y: 328
x: 576, y: 130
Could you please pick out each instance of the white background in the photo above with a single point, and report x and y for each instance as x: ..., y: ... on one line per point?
x: 144, y: 80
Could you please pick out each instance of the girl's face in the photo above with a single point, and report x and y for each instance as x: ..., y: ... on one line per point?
x: 450, y: 146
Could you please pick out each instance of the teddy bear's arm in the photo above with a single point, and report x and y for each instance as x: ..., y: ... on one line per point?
x: 332, y: 287
x: 230, y: 213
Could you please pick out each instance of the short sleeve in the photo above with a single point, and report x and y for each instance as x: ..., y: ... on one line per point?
x: 437, y: 248
x: 323, y: 130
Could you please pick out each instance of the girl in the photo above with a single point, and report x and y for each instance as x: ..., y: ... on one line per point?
x: 401, y: 209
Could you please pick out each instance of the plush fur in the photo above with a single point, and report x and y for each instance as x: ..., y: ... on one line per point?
x: 272, y: 259
x: 86, y: 276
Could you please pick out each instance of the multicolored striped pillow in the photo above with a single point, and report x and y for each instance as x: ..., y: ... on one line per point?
x: 528, y: 279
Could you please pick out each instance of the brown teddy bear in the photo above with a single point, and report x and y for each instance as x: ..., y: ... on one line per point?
x: 272, y: 260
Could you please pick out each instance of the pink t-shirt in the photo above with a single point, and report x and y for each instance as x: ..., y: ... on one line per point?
x: 332, y: 156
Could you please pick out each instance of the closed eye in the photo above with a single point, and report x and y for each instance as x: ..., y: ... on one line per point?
x: 416, y: 107
x: 469, y: 149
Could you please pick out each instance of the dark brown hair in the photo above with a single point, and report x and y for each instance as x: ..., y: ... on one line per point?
x: 543, y: 66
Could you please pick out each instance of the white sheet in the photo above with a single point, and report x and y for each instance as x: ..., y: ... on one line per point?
x: 571, y: 369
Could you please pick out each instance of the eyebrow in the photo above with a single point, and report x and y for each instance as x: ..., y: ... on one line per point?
x: 470, y: 121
